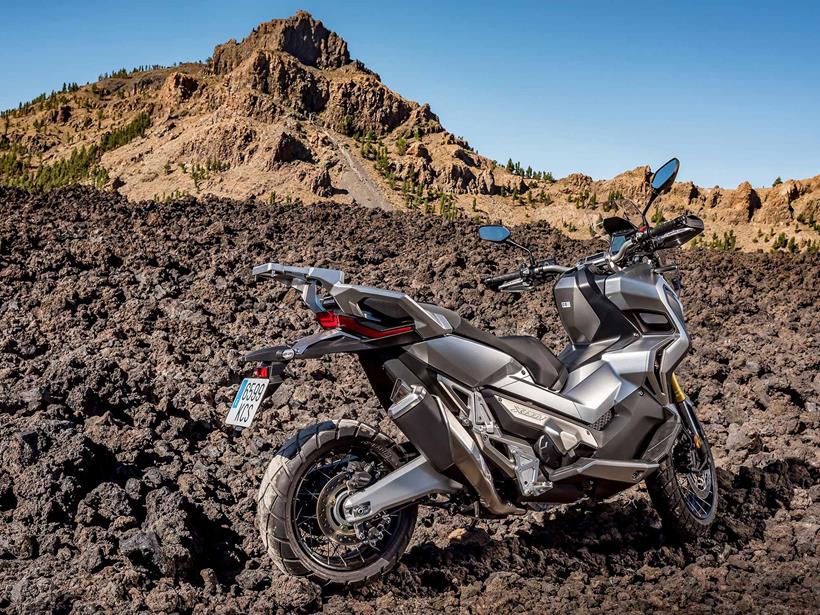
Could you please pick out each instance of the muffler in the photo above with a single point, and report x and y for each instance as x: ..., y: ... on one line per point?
x: 468, y: 459
x: 441, y: 438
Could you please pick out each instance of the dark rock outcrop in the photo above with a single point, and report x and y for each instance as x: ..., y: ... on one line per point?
x: 300, y: 36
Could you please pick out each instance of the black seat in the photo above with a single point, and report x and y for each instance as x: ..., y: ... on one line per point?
x: 543, y: 365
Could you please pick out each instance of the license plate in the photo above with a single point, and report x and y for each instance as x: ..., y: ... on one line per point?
x: 247, y: 401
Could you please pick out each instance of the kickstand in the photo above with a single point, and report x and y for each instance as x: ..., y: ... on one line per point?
x: 474, y: 520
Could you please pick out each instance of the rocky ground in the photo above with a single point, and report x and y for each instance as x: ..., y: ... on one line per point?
x: 121, y: 490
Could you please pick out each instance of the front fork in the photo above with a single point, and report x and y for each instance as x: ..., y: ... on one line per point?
x: 698, y: 457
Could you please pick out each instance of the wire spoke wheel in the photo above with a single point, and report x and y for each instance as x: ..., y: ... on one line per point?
x: 320, y: 527
x: 300, y: 505
x: 684, y: 489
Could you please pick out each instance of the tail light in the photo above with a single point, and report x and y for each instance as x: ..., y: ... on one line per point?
x: 331, y: 320
x: 261, y: 372
x: 328, y: 320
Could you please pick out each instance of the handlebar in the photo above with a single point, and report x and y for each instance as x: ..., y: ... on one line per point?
x: 541, y: 271
x: 641, y: 237
x: 493, y: 282
x: 666, y: 226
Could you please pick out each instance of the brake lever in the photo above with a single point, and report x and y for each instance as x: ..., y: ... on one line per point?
x: 515, y: 286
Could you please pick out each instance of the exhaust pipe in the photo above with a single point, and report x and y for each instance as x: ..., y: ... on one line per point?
x: 443, y: 440
x: 468, y: 459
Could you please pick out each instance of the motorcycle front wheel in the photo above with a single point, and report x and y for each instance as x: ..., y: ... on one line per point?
x: 299, y: 505
x: 686, y: 497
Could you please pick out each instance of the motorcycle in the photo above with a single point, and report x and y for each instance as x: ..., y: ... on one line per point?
x: 495, y: 426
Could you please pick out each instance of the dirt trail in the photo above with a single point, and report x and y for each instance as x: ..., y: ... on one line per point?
x: 356, y: 180
x: 121, y: 489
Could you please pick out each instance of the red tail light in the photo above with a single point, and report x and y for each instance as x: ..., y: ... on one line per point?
x: 261, y: 372
x: 329, y: 320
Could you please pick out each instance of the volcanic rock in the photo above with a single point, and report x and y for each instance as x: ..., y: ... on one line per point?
x: 121, y: 489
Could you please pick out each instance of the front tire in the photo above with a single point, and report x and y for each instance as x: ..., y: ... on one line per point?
x: 299, y: 505
x: 686, y: 501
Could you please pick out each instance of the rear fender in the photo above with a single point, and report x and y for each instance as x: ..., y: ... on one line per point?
x: 333, y: 341
x: 310, y: 347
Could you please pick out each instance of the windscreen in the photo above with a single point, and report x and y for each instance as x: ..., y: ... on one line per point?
x: 617, y: 241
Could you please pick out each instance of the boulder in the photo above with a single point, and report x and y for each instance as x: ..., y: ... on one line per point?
x: 319, y: 183
x: 776, y: 207
x: 486, y: 183
x: 457, y: 177
x: 287, y: 148
x: 743, y: 202
x: 418, y: 150
x: 61, y: 114
x: 103, y: 504
x: 177, y: 88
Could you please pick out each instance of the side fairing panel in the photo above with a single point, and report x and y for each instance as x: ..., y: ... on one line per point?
x: 586, y: 313
x: 634, y: 289
x: 466, y: 361
x: 579, y: 319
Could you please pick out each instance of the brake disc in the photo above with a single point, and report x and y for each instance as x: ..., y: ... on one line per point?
x: 329, y: 512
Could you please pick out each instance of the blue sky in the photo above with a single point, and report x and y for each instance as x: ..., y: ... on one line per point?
x: 732, y: 88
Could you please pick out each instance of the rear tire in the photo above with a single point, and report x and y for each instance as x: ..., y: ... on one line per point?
x: 687, y: 502
x: 298, y: 517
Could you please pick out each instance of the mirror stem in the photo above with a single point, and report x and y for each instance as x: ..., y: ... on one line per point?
x: 525, y: 248
x: 652, y: 196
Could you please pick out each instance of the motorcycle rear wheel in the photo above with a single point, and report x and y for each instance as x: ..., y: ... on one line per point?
x: 299, y: 506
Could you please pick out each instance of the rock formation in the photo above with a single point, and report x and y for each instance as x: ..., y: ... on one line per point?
x: 286, y: 113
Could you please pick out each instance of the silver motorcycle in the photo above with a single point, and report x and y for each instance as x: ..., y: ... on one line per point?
x: 494, y: 426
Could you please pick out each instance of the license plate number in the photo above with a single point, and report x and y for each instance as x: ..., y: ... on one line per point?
x: 246, y: 402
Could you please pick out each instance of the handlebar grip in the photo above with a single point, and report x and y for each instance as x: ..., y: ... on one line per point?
x: 549, y: 268
x: 494, y: 282
x: 665, y: 226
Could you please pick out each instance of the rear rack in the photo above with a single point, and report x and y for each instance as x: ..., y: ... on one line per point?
x: 307, y: 280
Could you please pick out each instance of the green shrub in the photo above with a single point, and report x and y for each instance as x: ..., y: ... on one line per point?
x: 780, y: 242
x: 121, y: 136
x: 657, y: 215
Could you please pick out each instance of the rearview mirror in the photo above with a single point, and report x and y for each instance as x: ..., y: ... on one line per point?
x: 662, y: 180
x: 664, y: 177
x: 494, y: 232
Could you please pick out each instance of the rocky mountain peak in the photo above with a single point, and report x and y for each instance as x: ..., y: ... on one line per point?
x: 301, y: 36
x: 285, y: 115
